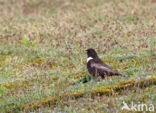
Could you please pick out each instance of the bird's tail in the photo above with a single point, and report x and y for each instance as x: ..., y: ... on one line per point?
x: 120, y: 74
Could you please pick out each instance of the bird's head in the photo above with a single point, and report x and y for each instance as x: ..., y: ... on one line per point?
x: 91, y: 53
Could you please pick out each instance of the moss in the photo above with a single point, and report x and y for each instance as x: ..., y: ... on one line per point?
x: 109, y: 60
x: 74, y: 94
x: 38, y: 103
x: 146, y: 82
x: 38, y: 61
x: 79, y: 75
x: 100, y: 91
x: 2, y: 59
x: 103, y: 90
x: 107, y: 90
x: 16, y: 84
x: 49, y: 63
x: 50, y: 101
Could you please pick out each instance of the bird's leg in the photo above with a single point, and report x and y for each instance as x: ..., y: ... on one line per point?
x: 96, y: 73
x: 105, y: 75
x: 98, y: 78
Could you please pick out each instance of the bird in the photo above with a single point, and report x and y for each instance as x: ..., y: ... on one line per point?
x: 97, y: 68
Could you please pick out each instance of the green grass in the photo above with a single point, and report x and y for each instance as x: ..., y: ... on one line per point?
x: 42, y: 51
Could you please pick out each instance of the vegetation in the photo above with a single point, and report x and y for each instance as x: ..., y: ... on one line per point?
x: 43, y: 58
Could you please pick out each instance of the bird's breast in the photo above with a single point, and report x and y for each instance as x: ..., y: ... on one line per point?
x: 89, y: 58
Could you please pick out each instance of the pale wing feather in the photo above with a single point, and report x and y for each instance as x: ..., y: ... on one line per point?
x: 99, y: 66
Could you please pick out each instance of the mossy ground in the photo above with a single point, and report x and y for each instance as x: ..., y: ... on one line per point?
x: 42, y: 52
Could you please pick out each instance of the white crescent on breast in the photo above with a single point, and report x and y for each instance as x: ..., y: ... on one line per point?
x: 89, y: 58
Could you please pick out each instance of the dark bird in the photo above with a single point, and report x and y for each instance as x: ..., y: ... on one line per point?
x: 97, y: 68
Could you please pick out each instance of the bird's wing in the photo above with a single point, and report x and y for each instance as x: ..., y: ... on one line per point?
x: 99, y: 61
x: 101, y: 67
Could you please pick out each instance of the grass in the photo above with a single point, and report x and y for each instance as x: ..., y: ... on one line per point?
x: 102, y: 90
x: 42, y: 52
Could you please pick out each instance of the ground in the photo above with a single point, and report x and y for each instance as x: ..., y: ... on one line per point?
x: 43, y: 57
